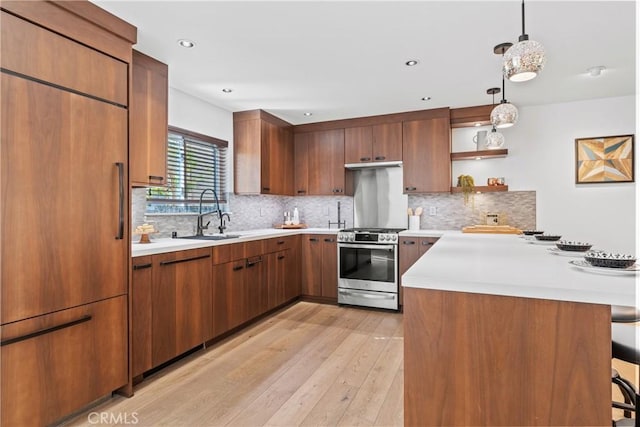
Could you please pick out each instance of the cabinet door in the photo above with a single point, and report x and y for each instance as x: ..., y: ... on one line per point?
x: 426, y: 243
x: 277, y: 160
x: 326, y: 163
x: 408, y: 253
x: 64, y: 174
x: 181, y: 299
x: 358, y: 143
x: 229, y: 294
x: 72, y: 358
x: 141, y: 315
x: 311, y: 262
x: 276, y: 273
x: 302, y: 143
x: 148, y: 121
x: 329, y: 266
x: 426, y: 154
x: 257, y: 290
x: 387, y: 142
x: 291, y: 274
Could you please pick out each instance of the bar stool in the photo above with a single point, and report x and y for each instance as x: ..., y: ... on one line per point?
x: 624, y: 347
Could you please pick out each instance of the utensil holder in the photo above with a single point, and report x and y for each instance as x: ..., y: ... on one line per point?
x: 414, y: 222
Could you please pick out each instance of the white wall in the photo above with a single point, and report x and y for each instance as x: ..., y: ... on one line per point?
x: 542, y: 158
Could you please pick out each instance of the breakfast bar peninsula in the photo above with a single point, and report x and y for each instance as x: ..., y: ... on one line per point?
x: 501, y: 331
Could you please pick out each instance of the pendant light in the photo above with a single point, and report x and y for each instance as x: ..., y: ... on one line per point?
x: 524, y: 60
x: 494, y: 139
x: 505, y: 114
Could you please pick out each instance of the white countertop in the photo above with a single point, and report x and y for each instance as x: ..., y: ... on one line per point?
x: 164, y: 245
x: 509, y: 265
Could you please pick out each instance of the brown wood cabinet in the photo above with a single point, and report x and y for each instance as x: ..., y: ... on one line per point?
x: 263, y: 154
x: 377, y: 143
x: 319, y: 161
x: 181, y: 302
x: 410, y: 249
x: 319, y: 266
x: 52, y: 365
x: 141, y: 315
x: 148, y: 121
x: 426, y: 149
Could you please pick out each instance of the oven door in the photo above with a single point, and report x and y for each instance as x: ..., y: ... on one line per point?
x: 368, y: 267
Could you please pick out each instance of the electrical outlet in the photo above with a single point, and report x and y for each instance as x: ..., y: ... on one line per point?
x: 433, y: 210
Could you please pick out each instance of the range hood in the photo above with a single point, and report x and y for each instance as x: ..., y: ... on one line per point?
x: 373, y: 165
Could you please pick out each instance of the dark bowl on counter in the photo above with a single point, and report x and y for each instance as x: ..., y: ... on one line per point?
x: 565, y: 245
x: 609, y: 260
x: 547, y: 237
x: 531, y: 232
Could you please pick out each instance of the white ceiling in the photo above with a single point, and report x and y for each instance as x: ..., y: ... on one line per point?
x: 346, y: 59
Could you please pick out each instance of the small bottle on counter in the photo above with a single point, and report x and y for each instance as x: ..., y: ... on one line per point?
x: 296, y: 216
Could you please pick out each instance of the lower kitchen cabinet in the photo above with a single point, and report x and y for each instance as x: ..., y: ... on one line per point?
x: 55, y: 364
x: 181, y: 302
x: 319, y: 266
x: 410, y: 250
x: 282, y: 279
x: 141, y: 315
x: 229, y: 296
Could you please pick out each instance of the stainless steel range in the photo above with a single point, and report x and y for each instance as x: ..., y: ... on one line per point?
x: 368, y: 267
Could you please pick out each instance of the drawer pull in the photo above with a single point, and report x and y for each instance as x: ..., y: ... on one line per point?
x: 302, y: 191
x: 281, y: 242
x: 329, y: 240
x: 266, y: 188
x: 380, y: 157
x: 156, y: 178
x: 238, y: 267
x: 313, y: 239
x: 427, y: 243
x: 142, y: 266
x: 253, y: 262
x: 409, y: 242
x: 178, y: 261
x: 45, y: 331
x: 365, y: 159
x: 410, y: 188
x: 280, y: 256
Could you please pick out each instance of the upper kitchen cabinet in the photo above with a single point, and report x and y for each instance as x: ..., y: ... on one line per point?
x: 426, y: 148
x: 263, y: 154
x: 148, y: 121
x: 378, y: 143
x: 320, y: 163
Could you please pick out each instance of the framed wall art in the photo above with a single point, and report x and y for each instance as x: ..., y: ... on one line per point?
x: 604, y: 159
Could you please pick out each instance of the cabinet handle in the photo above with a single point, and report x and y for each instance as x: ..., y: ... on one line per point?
x: 365, y: 159
x: 156, y: 178
x: 254, y: 262
x: 302, y: 191
x: 410, y: 188
x: 329, y: 240
x: 45, y: 331
x: 409, y: 242
x: 313, y: 239
x: 266, y: 188
x: 281, y: 242
x: 280, y: 256
x: 120, y: 167
x: 238, y: 267
x: 142, y: 266
x: 380, y: 157
x: 178, y: 261
x: 337, y: 190
x: 427, y: 243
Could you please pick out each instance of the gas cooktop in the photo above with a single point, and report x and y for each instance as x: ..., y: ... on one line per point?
x: 373, y: 230
x: 369, y: 235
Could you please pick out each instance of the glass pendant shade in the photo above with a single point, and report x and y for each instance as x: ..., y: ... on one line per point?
x: 523, y: 61
x: 494, y: 140
x: 504, y: 115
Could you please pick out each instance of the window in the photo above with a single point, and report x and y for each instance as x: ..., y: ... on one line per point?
x: 195, y: 162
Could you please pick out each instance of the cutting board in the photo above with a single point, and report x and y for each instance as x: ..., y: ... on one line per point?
x: 492, y: 229
x: 286, y: 226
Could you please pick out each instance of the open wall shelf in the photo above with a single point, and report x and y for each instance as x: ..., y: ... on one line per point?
x: 479, y: 154
x: 483, y: 189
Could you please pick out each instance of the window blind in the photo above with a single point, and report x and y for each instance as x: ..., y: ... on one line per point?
x: 194, y: 163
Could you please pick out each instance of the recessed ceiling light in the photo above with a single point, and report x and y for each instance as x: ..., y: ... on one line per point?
x: 227, y: 90
x: 411, y: 62
x: 308, y: 114
x: 596, y: 71
x: 186, y: 43
x: 426, y: 98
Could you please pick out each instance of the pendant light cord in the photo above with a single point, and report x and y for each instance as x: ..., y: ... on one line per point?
x: 523, y: 32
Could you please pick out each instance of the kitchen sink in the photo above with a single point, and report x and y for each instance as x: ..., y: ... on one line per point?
x: 213, y: 237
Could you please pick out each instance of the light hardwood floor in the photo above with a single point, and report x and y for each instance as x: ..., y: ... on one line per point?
x: 309, y: 364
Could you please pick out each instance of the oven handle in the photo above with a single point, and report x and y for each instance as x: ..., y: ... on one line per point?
x: 370, y: 296
x: 361, y: 246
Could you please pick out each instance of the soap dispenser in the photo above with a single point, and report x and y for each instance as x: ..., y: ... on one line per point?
x: 296, y: 216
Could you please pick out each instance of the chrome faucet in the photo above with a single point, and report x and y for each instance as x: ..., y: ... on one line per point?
x: 218, y: 211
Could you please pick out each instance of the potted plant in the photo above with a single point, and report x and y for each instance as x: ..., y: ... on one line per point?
x: 467, y: 184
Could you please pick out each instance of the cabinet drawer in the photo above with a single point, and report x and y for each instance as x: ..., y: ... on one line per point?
x: 83, y: 70
x: 279, y: 243
x: 227, y: 253
x: 55, y: 364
